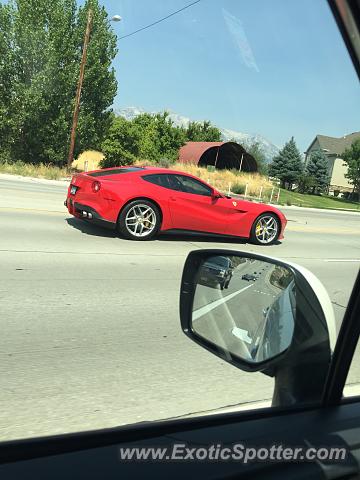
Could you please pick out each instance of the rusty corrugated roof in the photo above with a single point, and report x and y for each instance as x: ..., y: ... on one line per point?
x: 192, y: 151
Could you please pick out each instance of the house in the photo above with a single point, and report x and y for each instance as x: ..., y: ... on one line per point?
x: 333, y: 148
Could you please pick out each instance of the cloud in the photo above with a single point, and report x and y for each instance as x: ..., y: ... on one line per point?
x: 237, y: 32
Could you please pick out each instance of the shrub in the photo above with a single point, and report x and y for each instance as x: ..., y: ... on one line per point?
x: 306, y: 184
x: 288, y: 202
x: 165, y: 162
x: 238, y: 188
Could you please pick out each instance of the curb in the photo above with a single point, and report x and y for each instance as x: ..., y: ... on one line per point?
x: 44, y: 181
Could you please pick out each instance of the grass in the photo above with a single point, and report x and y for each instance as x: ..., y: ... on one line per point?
x: 38, y: 171
x: 315, y: 201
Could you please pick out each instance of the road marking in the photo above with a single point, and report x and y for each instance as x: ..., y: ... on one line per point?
x: 207, y: 308
x: 242, y: 334
x: 265, y: 293
x: 352, y: 260
x: 335, y: 231
x: 17, y: 209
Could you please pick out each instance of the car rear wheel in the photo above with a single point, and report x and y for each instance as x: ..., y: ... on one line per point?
x: 265, y: 229
x: 139, y: 220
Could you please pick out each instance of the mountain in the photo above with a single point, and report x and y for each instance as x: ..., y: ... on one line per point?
x: 245, y: 139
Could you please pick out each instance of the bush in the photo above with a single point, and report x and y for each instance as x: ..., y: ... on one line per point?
x: 288, y: 202
x: 336, y: 193
x: 306, y: 184
x: 238, y: 188
x: 165, y: 163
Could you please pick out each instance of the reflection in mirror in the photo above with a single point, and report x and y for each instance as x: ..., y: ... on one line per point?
x: 245, y: 306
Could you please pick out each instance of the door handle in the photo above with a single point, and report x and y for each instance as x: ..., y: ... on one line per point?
x: 173, y: 199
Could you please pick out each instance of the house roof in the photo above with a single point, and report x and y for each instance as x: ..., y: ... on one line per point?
x: 335, y: 145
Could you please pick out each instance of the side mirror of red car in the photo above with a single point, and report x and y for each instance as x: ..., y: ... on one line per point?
x: 215, y: 194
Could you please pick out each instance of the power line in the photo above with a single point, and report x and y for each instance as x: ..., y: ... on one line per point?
x: 160, y: 20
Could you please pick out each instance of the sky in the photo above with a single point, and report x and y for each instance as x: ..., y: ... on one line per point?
x: 274, y: 67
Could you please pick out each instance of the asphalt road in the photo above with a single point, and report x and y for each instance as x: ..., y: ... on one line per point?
x: 90, y: 332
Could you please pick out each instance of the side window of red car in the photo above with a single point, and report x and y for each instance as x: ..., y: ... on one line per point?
x: 158, y: 179
x: 189, y: 185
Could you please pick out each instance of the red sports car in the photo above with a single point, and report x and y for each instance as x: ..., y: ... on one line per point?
x: 143, y: 201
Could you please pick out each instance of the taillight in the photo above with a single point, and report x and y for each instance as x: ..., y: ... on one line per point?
x: 96, y: 186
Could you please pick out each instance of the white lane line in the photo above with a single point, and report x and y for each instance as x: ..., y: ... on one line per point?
x: 352, y: 260
x: 265, y: 293
x: 207, y: 308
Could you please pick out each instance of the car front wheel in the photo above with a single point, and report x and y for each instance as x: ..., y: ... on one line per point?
x: 265, y: 229
x: 139, y: 220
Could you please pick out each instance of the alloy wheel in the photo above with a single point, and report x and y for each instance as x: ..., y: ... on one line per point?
x: 266, y: 229
x: 140, y: 220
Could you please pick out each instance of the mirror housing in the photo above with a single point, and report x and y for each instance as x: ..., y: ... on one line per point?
x: 216, y: 194
x: 299, y: 370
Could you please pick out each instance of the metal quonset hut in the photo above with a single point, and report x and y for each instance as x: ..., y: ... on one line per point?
x: 218, y: 154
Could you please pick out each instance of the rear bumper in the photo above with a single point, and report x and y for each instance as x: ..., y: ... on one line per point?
x: 87, y: 213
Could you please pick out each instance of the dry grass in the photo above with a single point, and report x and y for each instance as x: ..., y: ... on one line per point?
x: 224, y: 180
x: 30, y: 170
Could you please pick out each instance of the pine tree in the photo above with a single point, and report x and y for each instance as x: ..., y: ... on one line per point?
x: 317, y: 169
x: 287, y: 166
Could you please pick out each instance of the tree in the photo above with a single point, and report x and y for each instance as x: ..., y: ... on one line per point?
x: 41, y: 44
x: 317, y: 169
x: 255, y: 149
x: 351, y: 157
x: 168, y: 138
x: 287, y: 166
x: 7, y: 79
x: 146, y: 137
x: 121, y: 146
x: 159, y: 137
x: 202, y: 132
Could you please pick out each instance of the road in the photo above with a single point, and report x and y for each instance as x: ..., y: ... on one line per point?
x: 90, y: 332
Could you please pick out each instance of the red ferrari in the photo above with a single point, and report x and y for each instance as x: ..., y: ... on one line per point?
x: 143, y: 201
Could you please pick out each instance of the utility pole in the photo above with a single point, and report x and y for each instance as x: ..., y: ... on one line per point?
x: 78, y: 91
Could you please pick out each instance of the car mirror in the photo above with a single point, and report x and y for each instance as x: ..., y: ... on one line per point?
x: 215, y: 194
x: 259, y: 314
x: 254, y: 319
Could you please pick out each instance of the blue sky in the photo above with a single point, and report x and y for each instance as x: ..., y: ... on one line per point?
x: 274, y: 67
